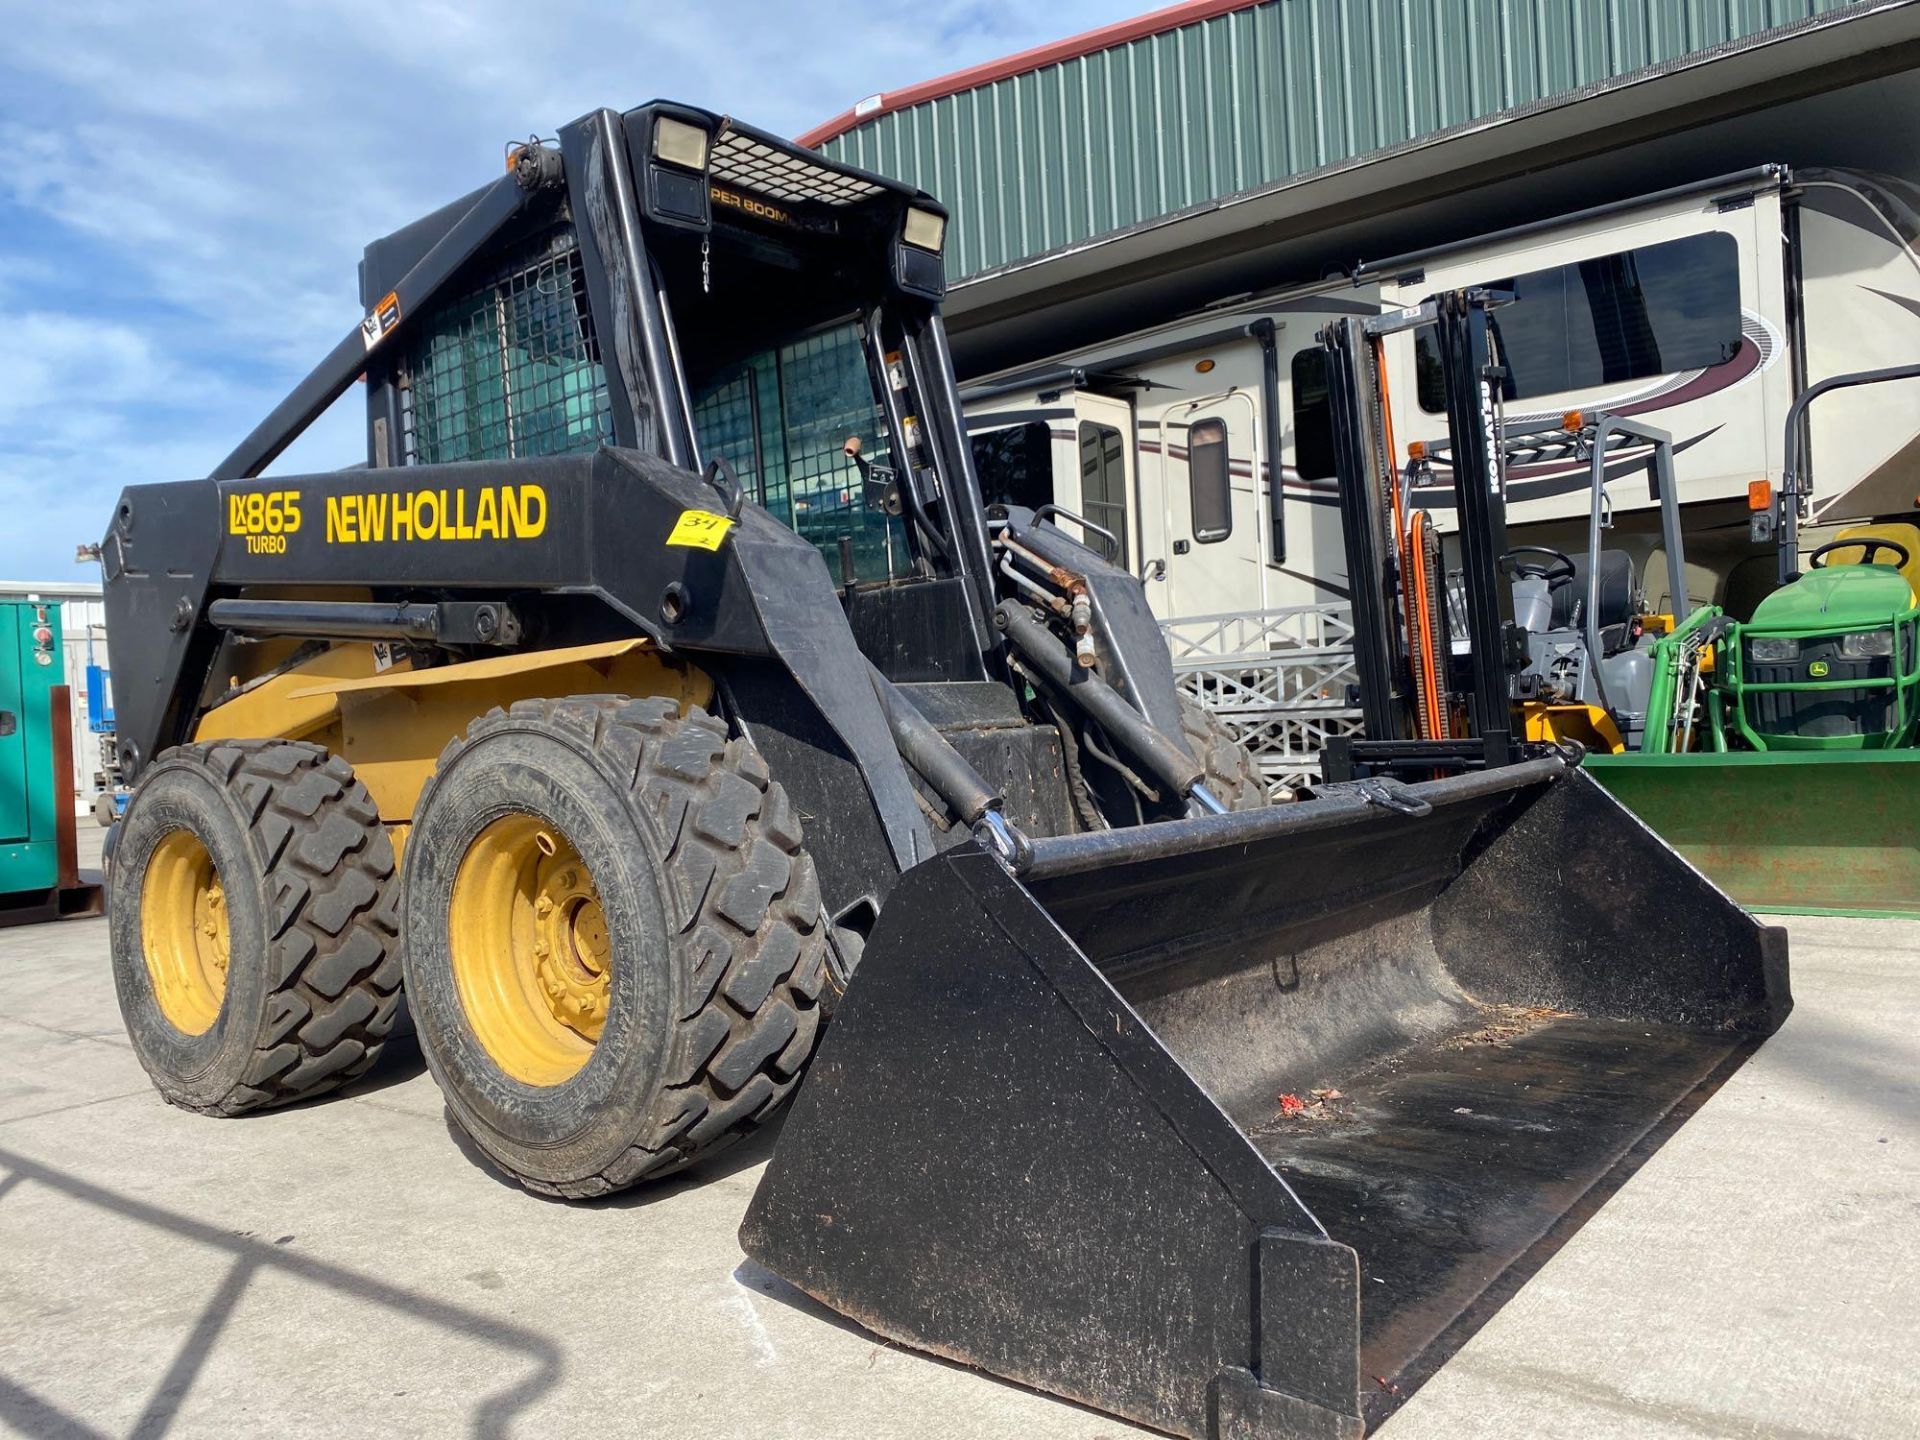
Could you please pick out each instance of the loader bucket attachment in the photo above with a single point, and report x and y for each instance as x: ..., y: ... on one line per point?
x: 1801, y: 832
x: 1045, y: 1134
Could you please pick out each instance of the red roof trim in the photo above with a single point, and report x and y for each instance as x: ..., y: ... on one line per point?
x: 1173, y: 17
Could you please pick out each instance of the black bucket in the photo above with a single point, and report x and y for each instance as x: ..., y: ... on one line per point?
x: 1238, y: 1126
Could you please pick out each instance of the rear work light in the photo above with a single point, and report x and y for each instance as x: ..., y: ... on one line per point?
x: 925, y: 230
x: 678, y: 143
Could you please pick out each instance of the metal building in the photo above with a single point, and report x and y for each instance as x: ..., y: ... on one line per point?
x: 1212, y: 97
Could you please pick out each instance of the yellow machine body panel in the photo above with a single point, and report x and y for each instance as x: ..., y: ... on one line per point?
x: 391, y: 725
x: 1591, y: 725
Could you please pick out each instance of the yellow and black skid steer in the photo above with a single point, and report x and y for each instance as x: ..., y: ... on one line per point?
x: 663, y: 686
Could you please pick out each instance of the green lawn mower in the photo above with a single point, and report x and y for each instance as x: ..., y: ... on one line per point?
x: 1787, y: 765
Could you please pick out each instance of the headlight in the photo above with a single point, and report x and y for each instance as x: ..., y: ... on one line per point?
x: 679, y: 143
x: 1774, y: 647
x: 1864, y: 643
x: 925, y: 229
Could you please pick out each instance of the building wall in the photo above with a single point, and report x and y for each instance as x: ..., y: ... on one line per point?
x: 1099, y: 142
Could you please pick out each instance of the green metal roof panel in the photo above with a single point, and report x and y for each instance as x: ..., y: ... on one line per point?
x: 1039, y: 158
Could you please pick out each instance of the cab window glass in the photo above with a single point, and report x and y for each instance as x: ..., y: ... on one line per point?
x: 782, y: 420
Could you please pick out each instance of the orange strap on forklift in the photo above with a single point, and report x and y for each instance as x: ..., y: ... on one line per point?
x: 1420, y: 620
x: 1413, y: 569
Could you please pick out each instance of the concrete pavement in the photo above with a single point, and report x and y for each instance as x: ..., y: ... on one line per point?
x: 345, y: 1268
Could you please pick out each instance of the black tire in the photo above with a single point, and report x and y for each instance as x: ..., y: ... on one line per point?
x: 312, y: 986
x: 1232, y: 775
x: 713, y: 925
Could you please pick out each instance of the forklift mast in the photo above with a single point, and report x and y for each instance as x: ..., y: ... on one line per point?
x: 1497, y: 651
x: 1519, y: 659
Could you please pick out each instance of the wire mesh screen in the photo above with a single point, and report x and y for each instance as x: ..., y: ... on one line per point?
x: 783, y: 175
x: 738, y: 421
x: 782, y: 421
x: 510, y: 368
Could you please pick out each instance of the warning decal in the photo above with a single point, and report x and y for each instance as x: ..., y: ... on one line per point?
x: 380, y: 320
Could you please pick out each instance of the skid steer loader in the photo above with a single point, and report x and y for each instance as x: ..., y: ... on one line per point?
x: 663, y: 684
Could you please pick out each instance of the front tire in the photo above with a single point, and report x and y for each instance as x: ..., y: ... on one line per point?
x: 617, y: 944
x: 253, y: 926
x: 1232, y: 775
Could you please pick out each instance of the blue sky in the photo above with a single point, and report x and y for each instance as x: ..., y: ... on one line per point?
x: 188, y: 188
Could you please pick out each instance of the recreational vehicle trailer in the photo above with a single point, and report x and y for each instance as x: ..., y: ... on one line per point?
x: 1701, y: 310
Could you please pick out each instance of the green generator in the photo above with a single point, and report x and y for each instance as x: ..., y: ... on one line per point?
x: 31, y: 792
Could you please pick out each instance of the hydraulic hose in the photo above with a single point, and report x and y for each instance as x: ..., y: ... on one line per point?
x: 1160, y: 757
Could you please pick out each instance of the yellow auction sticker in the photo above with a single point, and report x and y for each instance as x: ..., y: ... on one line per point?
x: 699, y: 529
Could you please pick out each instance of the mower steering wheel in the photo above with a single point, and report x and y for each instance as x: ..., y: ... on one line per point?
x: 1872, y: 544
x: 1556, y: 572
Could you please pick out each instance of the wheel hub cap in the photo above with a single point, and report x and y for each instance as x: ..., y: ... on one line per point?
x: 184, y: 934
x: 532, y: 957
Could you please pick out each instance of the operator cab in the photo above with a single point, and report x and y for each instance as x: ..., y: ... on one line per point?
x: 785, y: 340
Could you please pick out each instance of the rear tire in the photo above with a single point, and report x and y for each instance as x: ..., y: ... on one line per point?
x: 1232, y: 775
x: 253, y: 927
x: 694, y: 1002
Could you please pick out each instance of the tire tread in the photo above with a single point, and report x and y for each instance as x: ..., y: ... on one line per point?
x: 749, y: 944
x: 331, y: 908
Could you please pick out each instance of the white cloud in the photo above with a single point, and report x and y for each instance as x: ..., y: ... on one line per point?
x: 189, y: 187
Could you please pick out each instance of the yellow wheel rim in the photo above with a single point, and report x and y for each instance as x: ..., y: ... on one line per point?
x: 531, y: 955
x: 183, y: 932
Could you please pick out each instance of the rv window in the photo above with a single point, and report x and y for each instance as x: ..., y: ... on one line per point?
x: 1209, y: 481
x: 1657, y: 310
x: 1103, y: 483
x: 1312, y: 416
x: 1015, y: 464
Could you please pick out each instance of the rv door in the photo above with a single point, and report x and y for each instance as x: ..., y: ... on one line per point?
x: 1208, y: 459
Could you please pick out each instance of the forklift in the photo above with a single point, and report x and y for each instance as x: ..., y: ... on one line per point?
x: 1519, y: 650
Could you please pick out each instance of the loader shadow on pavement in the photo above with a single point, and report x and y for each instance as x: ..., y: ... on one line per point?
x: 493, y: 1415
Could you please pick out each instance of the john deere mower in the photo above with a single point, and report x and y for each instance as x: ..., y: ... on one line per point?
x: 1783, y: 756
x: 631, y: 721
